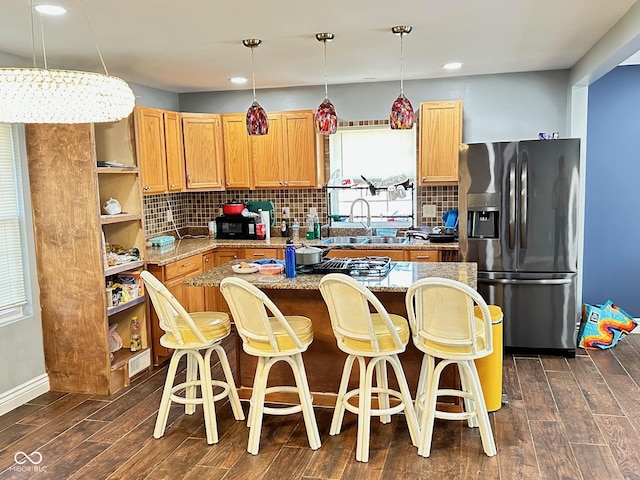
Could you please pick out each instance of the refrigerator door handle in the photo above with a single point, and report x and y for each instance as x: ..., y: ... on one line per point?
x: 544, y: 281
x: 524, y: 177
x: 512, y: 205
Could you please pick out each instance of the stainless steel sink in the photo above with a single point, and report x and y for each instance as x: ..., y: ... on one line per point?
x: 361, y: 240
x: 388, y: 240
x: 344, y: 240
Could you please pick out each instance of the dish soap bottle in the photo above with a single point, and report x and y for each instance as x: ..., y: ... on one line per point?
x: 310, y: 230
x: 316, y: 226
x: 136, y: 341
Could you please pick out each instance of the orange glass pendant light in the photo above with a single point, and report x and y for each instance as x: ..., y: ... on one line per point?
x: 326, y: 117
x: 257, y: 121
x: 402, y: 116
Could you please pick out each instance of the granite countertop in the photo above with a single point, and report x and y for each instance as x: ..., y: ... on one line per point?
x: 192, y: 246
x: 399, y: 279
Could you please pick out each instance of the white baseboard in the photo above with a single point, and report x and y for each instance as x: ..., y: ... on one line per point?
x: 23, y: 393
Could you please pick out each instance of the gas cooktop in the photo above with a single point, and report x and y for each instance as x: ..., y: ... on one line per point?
x: 356, y: 267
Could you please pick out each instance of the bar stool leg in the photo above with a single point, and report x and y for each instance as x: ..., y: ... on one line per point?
x: 163, y: 410
x: 192, y: 376
x: 306, y: 401
x: 383, y: 382
x: 410, y: 413
x: 429, y: 408
x: 338, y: 413
x: 257, y: 404
x: 364, y: 409
x: 208, y: 404
x: 234, y: 400
x: 488, y: 442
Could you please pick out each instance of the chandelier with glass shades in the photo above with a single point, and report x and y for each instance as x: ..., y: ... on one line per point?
x: 44, y: 95
x: 326, y: 117
x: 257, y: 121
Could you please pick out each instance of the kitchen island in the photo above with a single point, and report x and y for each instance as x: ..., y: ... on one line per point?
x: 323, y: 360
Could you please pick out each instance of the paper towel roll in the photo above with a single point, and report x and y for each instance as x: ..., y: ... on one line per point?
x: 266, y: 219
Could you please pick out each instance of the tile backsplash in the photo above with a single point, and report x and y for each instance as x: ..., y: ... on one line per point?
x: 195, y: 209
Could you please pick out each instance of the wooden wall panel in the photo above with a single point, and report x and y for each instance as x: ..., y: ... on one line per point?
x: 67, y: 234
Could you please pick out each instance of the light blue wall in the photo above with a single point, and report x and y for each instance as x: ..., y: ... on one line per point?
x: 496, y: 107
x: 612, y: 220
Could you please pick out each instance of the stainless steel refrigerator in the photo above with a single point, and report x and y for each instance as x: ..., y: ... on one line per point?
x: 518, y: 204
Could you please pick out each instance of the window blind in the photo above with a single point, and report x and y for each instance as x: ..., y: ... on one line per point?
x: 12, y: 288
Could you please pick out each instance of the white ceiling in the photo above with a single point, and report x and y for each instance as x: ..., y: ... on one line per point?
x: 196, y: 45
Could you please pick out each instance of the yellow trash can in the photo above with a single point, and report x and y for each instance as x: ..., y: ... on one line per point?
x: 490, y: 367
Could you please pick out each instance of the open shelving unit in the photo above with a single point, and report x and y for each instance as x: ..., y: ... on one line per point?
x: 71, y: 232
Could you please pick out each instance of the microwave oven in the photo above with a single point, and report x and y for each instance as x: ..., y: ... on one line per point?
x: 236, y: 227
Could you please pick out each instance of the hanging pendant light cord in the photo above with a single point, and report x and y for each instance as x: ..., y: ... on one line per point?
x: 253, y: 75
x: 401, y: 67
x: 93, y: 37
x: 326, y: 90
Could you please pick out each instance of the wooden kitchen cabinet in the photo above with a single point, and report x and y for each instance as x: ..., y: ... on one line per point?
x: 174, y: 151
x: 237, y: 151
x: 150, y: 141
x: 299, y: 149
x: 440, y: 126
x: 192, y: 299
x: 287, y: 156
x: 203, y: 151
x: 160, y: 150
x: 252, y: 254
x: 70, y: 251
x: 267, y: 156
x: 423, y: 256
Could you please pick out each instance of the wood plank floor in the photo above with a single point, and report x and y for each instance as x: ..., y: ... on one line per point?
x: 565, y: 419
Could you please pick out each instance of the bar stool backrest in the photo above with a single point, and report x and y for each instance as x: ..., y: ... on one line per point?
x: 171, y: 313
x: 249, y: 306
x: 349, y: 303
x: 441, y: 317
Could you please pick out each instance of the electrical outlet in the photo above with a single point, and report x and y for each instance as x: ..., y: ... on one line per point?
x: 169, y: 216
x: 313, y: 211
x: 428, y: 211
x: 285, y: 212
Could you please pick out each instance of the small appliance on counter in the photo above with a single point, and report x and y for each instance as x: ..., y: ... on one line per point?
x: 236, y: 227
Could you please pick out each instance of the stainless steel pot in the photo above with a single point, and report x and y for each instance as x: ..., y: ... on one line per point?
x: 307, y: 255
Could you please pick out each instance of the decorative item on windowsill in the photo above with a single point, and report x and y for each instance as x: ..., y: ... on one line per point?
x: 326, y: 117
x: 257, y: 121
x: 43, y: 95
x: 402, y: 116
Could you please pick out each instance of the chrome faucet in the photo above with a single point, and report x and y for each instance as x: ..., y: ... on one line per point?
x: 368, y: 212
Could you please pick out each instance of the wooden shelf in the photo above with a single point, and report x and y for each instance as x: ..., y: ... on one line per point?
x: 124, y: 306
x: 121, y: 217
x: 123, y: 267
x: 117, y: 170
x: 122, y: 357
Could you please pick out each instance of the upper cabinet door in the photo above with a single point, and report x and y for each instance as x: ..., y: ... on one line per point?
x: 440, y: 137
x: 266, y: 155
x: 299, y: 148
x: 236, y: 151
x: 203, y: 151
x: 174, y: 151
x: 150, y: 141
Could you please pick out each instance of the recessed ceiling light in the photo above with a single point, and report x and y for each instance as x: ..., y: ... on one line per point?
x: 50, y: 9
x: 238, y: 80
x: 452, y: 66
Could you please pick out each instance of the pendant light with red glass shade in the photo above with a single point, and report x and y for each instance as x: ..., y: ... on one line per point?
x: 402, y: 116
x: 257, y: 121
x: 326, y: 117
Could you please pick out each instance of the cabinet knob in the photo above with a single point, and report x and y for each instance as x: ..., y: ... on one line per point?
x: 206, y: 260
x: 424, y: 179
x: 258, y: 254
x: 186, y: 264
x: 146, y: 187
x: 172, y: 185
